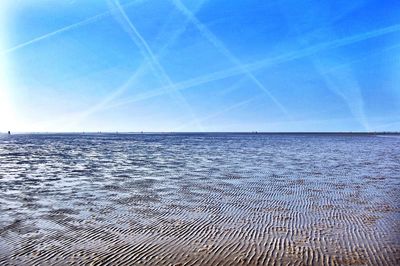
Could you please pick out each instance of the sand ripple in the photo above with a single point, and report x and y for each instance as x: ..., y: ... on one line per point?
x: 199, y: 200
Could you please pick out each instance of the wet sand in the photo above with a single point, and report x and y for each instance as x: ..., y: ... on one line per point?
x: 199, y: 200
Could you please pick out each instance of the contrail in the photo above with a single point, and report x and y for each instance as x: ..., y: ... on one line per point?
x: 234, y: 87
x: 142, y: 69
x: 346, y: 87
x: 179, y: 86
x: 229, y: 108
x: 340, y: 81
x: 48, y: 35
x: 222, y: 48
x: 99, y: 106
x: 218, y: 75
x: 325, y: 46
x: 65, y: 29
x: 146, y: 51
x: 184, y: 85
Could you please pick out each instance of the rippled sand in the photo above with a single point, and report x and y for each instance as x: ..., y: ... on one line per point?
x: 199, y: 200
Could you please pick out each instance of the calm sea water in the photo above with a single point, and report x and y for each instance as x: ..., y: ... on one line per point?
x: 51, y: 183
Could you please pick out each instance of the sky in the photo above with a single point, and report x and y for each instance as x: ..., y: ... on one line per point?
x: 199, y: 65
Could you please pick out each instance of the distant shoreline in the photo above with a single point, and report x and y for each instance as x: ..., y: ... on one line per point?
x: 203, y: 133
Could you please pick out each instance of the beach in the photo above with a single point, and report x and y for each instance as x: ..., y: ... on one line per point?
x: 199, y: 199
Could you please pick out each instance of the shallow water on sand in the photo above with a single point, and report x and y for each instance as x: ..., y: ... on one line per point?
x: 199, y: 199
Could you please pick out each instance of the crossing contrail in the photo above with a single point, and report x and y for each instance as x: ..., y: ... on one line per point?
x: 268, y: 62
x: 340, y: 81
x: 171, y: 39
x: 222, y: 48
x: 324, y: 46
x: 147, y: 52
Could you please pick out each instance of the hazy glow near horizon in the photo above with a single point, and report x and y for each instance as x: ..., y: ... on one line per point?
x: 7, y: 118
x: 190, y: 65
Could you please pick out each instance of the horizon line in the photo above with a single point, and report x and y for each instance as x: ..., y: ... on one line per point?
x: 201, y: 132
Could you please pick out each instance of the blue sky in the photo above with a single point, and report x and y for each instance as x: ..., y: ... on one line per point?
x: 185, y: 65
